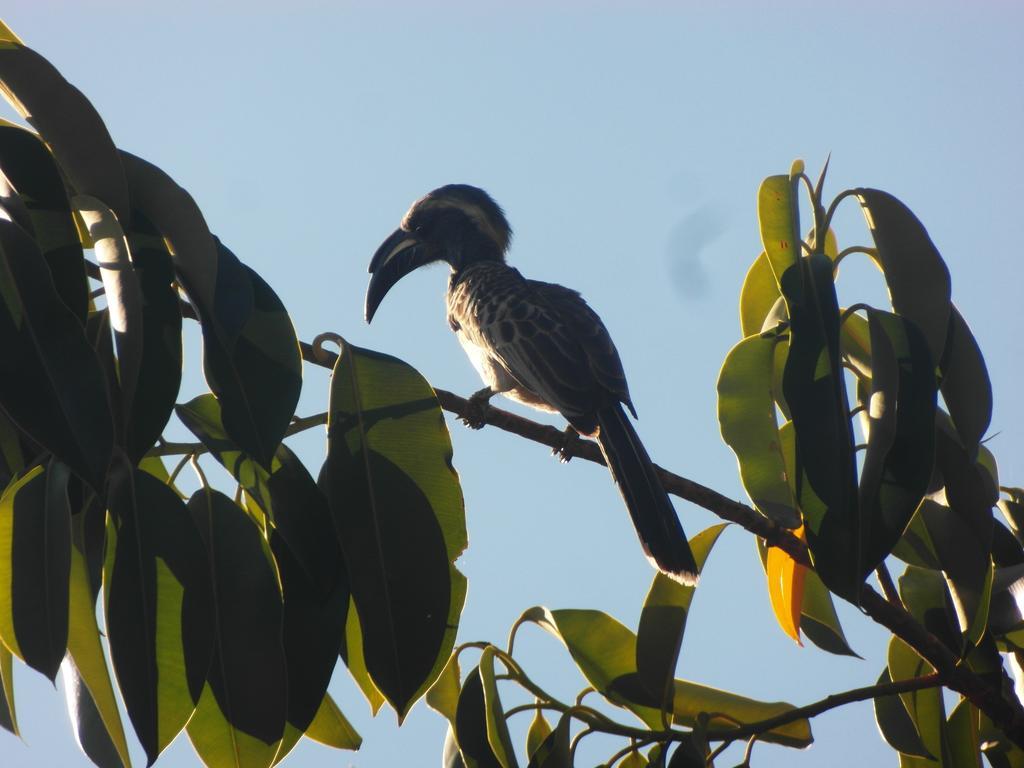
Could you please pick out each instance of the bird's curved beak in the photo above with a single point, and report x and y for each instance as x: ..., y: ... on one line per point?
x: 397, y: 256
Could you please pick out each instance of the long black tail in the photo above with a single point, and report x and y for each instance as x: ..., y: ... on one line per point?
x: 653, y: 515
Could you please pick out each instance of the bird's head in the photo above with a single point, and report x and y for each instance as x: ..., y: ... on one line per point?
x: 457, y: 223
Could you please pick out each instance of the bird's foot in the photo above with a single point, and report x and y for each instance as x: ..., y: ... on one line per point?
x: 478, y: 403
x: 566, y: 449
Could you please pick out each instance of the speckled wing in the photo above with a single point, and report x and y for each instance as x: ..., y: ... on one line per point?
x: 550, y: 341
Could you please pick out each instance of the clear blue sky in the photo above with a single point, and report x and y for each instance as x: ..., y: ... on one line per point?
x: 626, y: 142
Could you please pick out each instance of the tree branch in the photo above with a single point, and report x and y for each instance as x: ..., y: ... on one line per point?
x: 933, y: 680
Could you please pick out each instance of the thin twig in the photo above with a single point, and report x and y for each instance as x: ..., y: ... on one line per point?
x: 886, y: 583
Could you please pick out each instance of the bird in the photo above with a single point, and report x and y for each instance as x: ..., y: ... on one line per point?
x: 537, y: 343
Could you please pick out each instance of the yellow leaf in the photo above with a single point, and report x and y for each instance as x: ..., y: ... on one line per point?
x: 786, y: 588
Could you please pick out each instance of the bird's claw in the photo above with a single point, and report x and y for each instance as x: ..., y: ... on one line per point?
x: 565, y: 450
x: 477, y: 404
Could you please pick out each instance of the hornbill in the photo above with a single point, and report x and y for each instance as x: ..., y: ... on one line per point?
x: 537, y: 343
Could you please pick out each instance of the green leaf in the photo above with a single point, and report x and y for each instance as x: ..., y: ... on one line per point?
x: 915, y: 273
x: 219, y: 744
x: 247, y: 675
x: 825, y: 471
x: 663, y: 620
x: 471, y: 725
x: 895, y: 724
x: 965, y: 384
x: 251, y: 355
x: 68, y: 123
x: 497, y: 730
x: 926, y: 597
x: 160, y: 365
x: 332, y: 728
x: 537, y: 733
x: 355, y: 659
x: 30, y: 169
x: 746, y: 415
x: 51, y: 384
x: 605, y: 652
x: 159, y: 619
x: 901, y: 434
x: 8, y: 715
x: 757, y: 297
x: 99, y: 720
x: 778, y: 215
x: 399, y: 513
x: 443, y: 695
x: 924, y: 706
x: 90, y: 729
x: 553, y: 751
x: 962, y: 733
x: 35, y: 561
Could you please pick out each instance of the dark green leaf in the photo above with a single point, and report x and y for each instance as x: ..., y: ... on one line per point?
x: 895, y: 724
x: 69, y: 124
x: 90, y: 731
x: 28, y: 166
x: 687, y: 755
x: 925, y: 595
x: 35, y: 537
x: 51, y: 384
x: 925, y: 706
x: 497, y: 730
x: 816, y: 393
x: 962, y: 734
x: 471, y: 724
x: 965, y: 384
x: 398, y: 510
x: 553, y: 752
x: 160, y: 369
x: 247, y: 672
x: 663, y: 620
x: 159, y: 619
x: 901, y: 436
x: 251, y: 354
x: 915, y: 273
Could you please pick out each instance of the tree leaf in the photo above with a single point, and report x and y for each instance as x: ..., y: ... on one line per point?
x: 553, y: 751
x: 786, y: 579
x: 965, y: 383
x: 443, y: 695
x: 94, y: 709
x: 8, y: 715
x: 663, y: 620
x: 90, y: 729
x: 159, y: 620
x: 901, y: 434
x: 962, y: 734
x: 926, y: 597
x: 825, y: 471
x: 778, y: 215
x: 471, y: 724
x: 746, y: 416
x: 30, y: 169
x: 51, y: 384
x: 247, y: 675
x: 758, y: 295
x: 497, y: 730
x: 69, y: 124
x: 537, y: 733
x: 398, y: 510
x: 251, y: 355
x: 35, y: 560
x: 160, y: 365
x: 220, y: 744
x: 354, y: 658
x: 331, y: 727
x: 895, y: 724
x: 924, y: 706
x: 917, y: 277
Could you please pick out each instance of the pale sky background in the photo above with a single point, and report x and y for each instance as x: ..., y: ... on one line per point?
x: 626, y: 142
